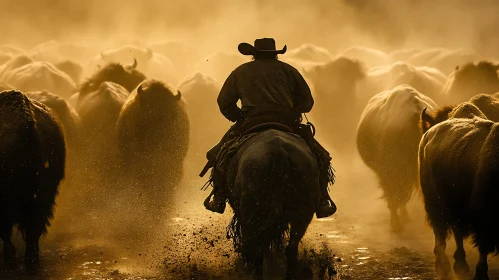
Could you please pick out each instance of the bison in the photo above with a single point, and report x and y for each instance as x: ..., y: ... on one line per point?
x: 371, y: 57
x: 443, y: 59
x: 309, y: 52
x: 153, y: 65
x: 471, y: 79
x: 458, y: 170
x: 126, y: 76
x: 32, y: 162
x: 337, y: 110
x: 488, y: 104
x: 99, y: 111
x: 38, y: 76
x: 307, y: 56
x: 426, y: 80
x: 67, y: 115
x: 403, y: 54
x: 71, y: 68
x: 14, y: 63
x: 207, y: 125
x: 388, y: 136
x: 11, y: 50
x: 153, y: 132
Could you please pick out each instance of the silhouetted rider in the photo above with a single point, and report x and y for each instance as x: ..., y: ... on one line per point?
x: 269, y: 90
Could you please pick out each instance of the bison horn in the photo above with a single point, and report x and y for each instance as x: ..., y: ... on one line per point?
x: 139, y: 89
x: 148, y: 54
x: 134, y: 65
x: 178, y: 96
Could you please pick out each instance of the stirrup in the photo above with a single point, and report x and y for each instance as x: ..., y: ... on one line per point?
x: 213, y: 206
x: 326, y: 210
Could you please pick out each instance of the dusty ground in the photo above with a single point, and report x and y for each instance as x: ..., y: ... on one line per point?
x: 190, y: 243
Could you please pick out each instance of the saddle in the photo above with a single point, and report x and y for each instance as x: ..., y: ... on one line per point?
x: 253, y: 126
x: 267, y: 126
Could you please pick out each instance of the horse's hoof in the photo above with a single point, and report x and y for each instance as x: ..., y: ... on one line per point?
x: 461, y: 267
x: 32, y: 266
x: 481, y: 276
x: 397, y: 227
x: 442, y: 267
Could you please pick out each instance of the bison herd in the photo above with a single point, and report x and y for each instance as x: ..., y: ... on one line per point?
x: 421, y: 119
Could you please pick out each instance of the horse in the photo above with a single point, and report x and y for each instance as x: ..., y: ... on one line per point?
x: 274, y: 191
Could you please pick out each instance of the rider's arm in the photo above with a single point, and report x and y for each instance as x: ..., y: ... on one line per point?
x: 303, y: 100
x: 227, y: 99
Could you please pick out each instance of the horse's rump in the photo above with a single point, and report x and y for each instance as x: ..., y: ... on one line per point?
x: 273, y: 179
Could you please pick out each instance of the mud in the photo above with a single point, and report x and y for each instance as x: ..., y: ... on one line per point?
x: 184, y: 241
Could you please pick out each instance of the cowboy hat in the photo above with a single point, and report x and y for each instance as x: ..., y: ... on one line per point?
x: 264, y: 45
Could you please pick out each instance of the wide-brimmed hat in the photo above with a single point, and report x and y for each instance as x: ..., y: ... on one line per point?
x: 263, y: 45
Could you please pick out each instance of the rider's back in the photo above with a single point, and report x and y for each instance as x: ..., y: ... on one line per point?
x: 265, y: 83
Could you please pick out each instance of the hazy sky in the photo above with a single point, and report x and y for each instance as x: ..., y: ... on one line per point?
x: 221, y: 24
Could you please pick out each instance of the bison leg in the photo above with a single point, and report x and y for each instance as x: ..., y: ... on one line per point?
x: 32, y: 258
x: 396, y: 223
x: 9, y: 250
x: 298, y: 228
x: 460, y: 266
x: 442, y: 264
x: 404, y: 215
x: 482, y: 266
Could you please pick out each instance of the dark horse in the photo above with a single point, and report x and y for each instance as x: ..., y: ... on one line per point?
x: 274, y: 183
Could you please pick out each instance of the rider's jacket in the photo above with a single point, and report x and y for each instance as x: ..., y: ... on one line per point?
x: 263, y: 86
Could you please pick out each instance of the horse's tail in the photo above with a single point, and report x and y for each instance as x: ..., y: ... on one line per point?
x: 263, y: 213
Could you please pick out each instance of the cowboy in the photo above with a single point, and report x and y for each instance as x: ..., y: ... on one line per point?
x: 269, y: 90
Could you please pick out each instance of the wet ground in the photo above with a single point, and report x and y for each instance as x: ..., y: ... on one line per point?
x: 187, y: 242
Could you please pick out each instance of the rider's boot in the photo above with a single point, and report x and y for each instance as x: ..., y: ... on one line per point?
x: 218, y: 203
x: 326, y: 206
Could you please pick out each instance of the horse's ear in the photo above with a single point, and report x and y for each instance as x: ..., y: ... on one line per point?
x: 178, y: 96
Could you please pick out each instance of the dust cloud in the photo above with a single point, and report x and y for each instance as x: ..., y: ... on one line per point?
x: 95, y: 234
x: 385, y: 25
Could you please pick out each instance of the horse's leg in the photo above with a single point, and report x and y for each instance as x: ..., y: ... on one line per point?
x: 404, y: 215
x: 396, y: 224
x: 9, y: 250
x: 298, y: 228
x: 460, y: 265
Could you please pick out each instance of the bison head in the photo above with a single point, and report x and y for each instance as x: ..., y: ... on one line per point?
x: 127, y: 76
x: 473, y: 78
x: 157, y: 87
x: 463, y: 110
x: 430, y: 119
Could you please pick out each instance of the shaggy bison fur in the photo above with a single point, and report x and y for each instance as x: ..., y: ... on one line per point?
x: 32, y: 161
x: 126, y: 76
x: 153, y: 131
x: 458, y: 170
x: 388, y: 136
